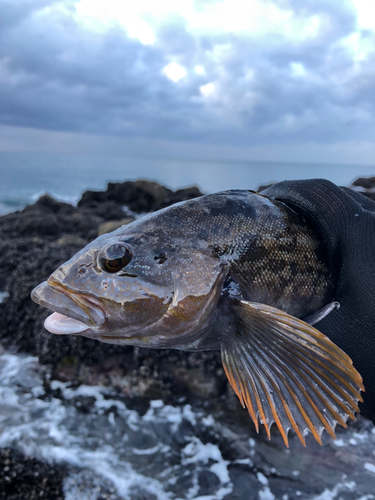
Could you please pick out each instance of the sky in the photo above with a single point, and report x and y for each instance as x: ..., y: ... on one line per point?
x: 280, y: 80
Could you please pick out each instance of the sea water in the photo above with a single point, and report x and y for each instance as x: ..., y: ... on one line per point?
x: 166, y: 452
x: 26, y: 176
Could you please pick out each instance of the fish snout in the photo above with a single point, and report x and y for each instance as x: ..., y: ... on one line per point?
x: 83, y: 308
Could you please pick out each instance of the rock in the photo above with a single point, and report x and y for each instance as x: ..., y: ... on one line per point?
x: 71, y: 239
x: 112, y: 225
x: 264, y: 186
x: 108, y: 210
x: 157, y: 191
x: 48, y: 203
x: 365, y: 186
x: 365, y: 182
x: 135, y: 198
x: 45, y: 219
x: 27, y: 478
x: 139, y: 196
x: 180, y: 195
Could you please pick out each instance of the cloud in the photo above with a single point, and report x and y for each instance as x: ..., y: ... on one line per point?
x: 281, y: 72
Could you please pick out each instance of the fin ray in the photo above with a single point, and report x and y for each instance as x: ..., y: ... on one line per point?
x: 287, y: 372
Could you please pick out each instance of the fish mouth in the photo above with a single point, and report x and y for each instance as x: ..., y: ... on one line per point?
x: 73, y: 312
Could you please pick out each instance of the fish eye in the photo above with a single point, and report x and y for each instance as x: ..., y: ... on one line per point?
x: 115, y: 257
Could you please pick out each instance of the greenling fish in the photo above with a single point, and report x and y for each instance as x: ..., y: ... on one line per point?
x: 233, y: 271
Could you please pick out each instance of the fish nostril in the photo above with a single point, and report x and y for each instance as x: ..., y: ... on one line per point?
x: 161, y: 258
x: 81, y: 270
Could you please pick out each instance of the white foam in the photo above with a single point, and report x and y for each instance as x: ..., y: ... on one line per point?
x: 369, y: 467
x: 343, y: 486
x: 3, y: 296
x: 197, y: 451
x: 150, y: 454
x: 221, y: 470
x: 339, y: 443
x: 361, y: 437
x: 244, y: 461
x: 262, y: 479
x: 108, y: 439
x: 208, y: 421
x: 266, y: 494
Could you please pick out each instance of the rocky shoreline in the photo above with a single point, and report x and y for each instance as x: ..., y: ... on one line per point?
x: 33, y: 243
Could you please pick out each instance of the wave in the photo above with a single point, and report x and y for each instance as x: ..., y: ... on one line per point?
x: 9, y: 205
x: 155, y: 455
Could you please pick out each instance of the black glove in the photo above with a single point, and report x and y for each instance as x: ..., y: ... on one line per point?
x: 345, y: 222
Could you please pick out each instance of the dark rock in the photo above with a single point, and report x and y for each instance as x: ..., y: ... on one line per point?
x: 139, y: 196
x: 263, y: 187
x: 112, y: 225
x: 180, y: 195
x: 365, y: 186
x: 157, y: 191
x: 26, y: 478
x: 365, y: 182
x: 125, y: 193
x: 48, y: 203
x: 45, y: 219
x: 108, y: 210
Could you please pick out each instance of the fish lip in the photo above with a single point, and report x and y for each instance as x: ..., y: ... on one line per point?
x: 81, y: 307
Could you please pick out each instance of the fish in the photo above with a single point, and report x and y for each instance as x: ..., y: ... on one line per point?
x: 233, y: 271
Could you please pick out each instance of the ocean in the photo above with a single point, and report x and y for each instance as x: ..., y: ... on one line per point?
x: 26, y: 176
x: 167, y: 452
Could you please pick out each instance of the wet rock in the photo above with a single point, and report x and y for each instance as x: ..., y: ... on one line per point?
x: 262, y: 187
x: 365, y: 186
x: 158, y: 192
x: 108, y: 210
x: 365, y: 182
x: 27, y: 478
x: 48, y: 203
x: 139, y: 196
x: 112, y: 225
x: 48, y: 219
x: 125, y: 193
x: 180, y: 195
x: 85, y: 485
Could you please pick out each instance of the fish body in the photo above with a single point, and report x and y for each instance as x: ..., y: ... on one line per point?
x: 234, y: 271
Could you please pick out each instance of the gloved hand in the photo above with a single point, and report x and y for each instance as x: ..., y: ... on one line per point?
x: 345, y: 222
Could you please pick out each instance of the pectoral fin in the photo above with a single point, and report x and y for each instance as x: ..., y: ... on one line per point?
x: 285, y: 371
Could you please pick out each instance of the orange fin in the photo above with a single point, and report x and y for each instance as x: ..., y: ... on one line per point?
x: 287, y: 372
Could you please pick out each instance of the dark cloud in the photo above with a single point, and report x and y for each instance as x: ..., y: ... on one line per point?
x: 55, y: 74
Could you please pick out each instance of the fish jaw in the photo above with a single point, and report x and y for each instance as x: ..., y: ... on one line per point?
x: 73, y: 313
x: 63, y: 325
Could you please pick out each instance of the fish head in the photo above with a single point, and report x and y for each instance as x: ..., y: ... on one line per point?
x: 134, y: 288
